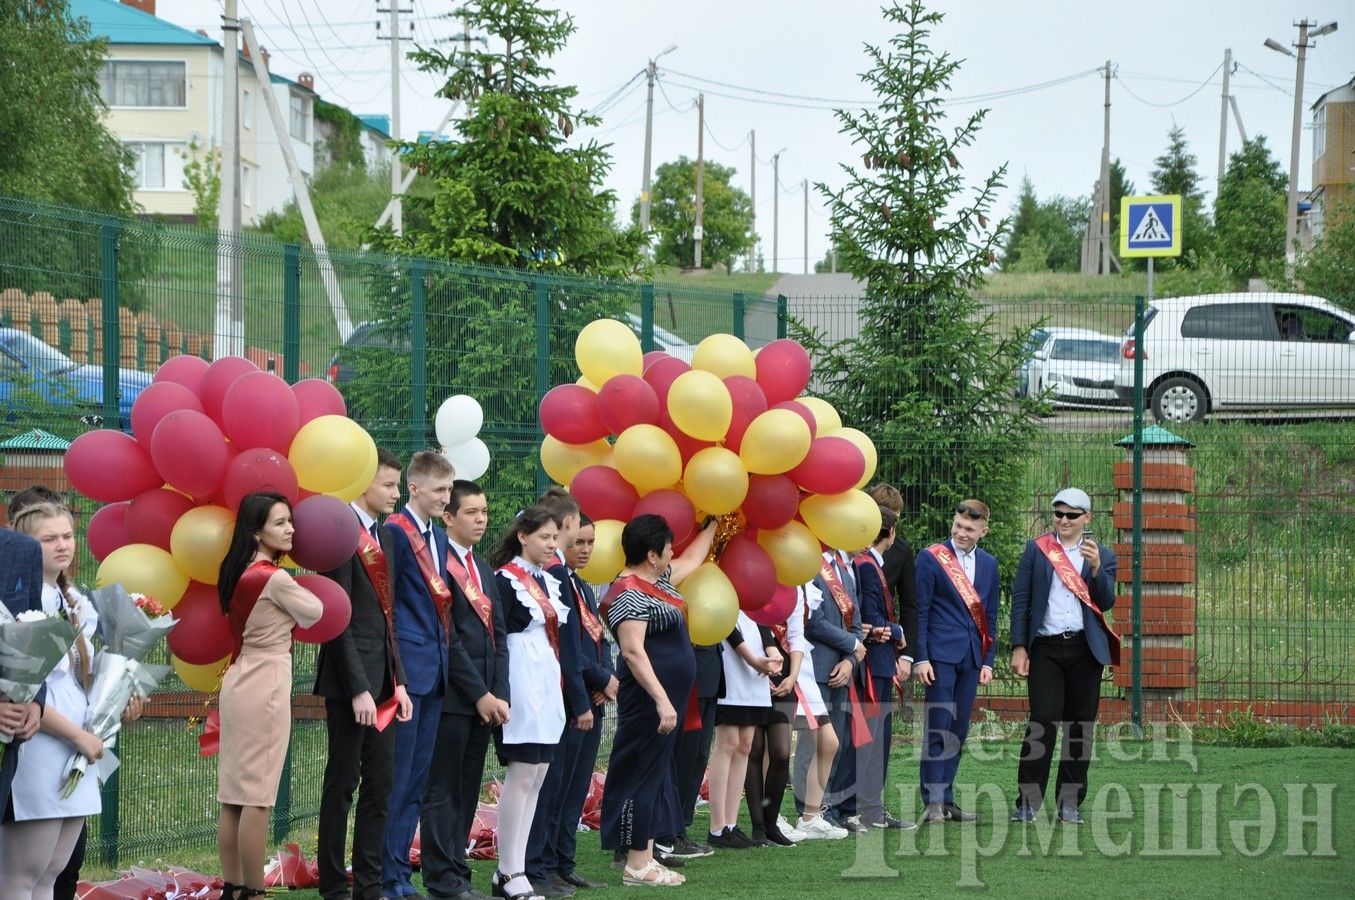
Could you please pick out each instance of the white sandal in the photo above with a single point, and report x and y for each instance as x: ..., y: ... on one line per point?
x: 662, y: 875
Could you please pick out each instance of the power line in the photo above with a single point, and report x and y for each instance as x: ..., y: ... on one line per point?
x: 1244, y: 67
x: 1202, y: 86
x: 666, y: 99
x: 617, y: 95
x: 733, y: 149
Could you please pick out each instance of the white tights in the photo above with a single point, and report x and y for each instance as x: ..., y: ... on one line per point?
x: 517, y: 806
x: 32, y: 855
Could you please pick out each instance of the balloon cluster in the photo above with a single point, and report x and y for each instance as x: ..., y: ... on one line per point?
x: 203, y: 437
x: 456, y: 424
x: 730, y: 435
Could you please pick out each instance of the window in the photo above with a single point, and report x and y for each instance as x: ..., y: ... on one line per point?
x: 132, y: 83
x: 1086, y: 350
x: 246, y: 108
x: 299, y: 110
x: 1319, y: 132
x: 157, y: 166
x: 1303, y: 323
x: 247, y: 185
x: 1228, y: 322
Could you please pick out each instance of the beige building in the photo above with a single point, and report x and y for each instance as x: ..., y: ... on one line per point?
x: 1333, y: 154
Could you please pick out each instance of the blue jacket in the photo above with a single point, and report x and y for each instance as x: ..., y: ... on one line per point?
x: 577, y: 699
x: 874, y: 606
x: 945, y: 631
x: 595, y: 659
x: 21, y: 591
x: 832, y: 640
x: 419, y: 631
x: 1030, y: 598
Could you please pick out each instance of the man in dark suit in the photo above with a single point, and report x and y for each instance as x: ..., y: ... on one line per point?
x: 475, y: 704
x: 1060, y: 644
x: 357, y: 672
x: 21, y: 591
x: 901, y: 575
x: 840, y: 798
x: 423, y: 630
x: 957, y: 629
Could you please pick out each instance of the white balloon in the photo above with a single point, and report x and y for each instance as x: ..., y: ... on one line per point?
x: 469, y: 458
x: 458, y: 420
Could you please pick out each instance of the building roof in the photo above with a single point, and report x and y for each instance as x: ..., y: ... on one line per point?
x: 376, y: 122
x: 36, y: 439
x: 1348, y: 88
x: 122, y: 24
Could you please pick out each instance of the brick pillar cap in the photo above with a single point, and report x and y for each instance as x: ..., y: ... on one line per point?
x: 1156, y: 436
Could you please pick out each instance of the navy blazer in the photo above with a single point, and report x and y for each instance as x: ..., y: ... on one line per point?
x: 478, y: 664
x: 362, y: 657
x: 595, y: 659
x: 577, y: 699
x: 418, y: 630
x: 1030, y: 598
x: 945, y: 631
x: 21, y: 591
x: 874, y: 607
x: 832, y: 640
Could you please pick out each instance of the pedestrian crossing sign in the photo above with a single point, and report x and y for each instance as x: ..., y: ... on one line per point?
x: 1150, y: 226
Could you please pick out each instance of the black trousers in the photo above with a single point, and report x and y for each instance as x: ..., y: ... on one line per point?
x: 1064, y: 686
x: 358, y: 754
x: 454, y: 782
x: 692, y: 755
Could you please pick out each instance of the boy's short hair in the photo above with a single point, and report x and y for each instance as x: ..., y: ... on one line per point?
x: 561, y: 504
x: 887, y: 496
x: 970, y: 507
x: 387, y: 459
x: 428, y: 464
x: 888, y: 519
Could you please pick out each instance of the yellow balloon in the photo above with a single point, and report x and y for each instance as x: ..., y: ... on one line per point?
x: 608, y: 558
x: 700, y: 405
x: 794, y: 551
x: 848, y: 521
x: 606, y: 347
x: 712, y: 604
x: 361, y: 483
x: 144, y: 569
x: 205, y: 678
x: 867, y: 448
x: 330, y: 454
x: 825, y: 417
x: 582, y: 381
x: 775, y: 442
x: 724, y: 355
x: 715, y: 481
x: 200, y: 540
x: 563, y: 461
x: 648, y: 458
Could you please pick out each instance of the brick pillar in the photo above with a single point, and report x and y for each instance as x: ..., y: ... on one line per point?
x: 1168, y: 618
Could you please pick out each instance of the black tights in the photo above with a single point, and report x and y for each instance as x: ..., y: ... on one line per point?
x: 764, y: 797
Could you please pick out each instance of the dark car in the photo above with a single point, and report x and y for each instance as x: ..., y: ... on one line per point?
x: 31, y: 370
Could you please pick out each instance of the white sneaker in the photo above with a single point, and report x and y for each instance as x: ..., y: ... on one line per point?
x: 789, y: 831
x: 819, y: 828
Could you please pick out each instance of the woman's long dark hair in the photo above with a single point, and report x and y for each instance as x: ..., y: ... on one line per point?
x: 529, y: 521
x: 249, y: 520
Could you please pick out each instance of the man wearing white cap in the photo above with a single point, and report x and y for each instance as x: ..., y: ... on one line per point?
x: 1060, y: 644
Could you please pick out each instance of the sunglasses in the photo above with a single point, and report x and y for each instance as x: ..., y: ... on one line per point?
x: 1068, y: 514
x: 969, y: 511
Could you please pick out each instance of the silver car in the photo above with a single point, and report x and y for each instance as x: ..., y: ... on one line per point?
x: 1076, y: 367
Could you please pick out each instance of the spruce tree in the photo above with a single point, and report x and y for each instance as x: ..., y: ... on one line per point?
x: 1249, y: 212
x: 1174, y: 173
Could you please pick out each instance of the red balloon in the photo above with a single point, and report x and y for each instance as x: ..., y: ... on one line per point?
x: 202, y: 635
x: 627, y: 400
x: 831, y: 466
x: 185, y: 370
x: 338, y: 609
x: 326, y: 535
x: 107, y: 530
x: 750, y: 569
x: 109, y: 466
x: 782, y: 370
x: 687, y: 445
x: 652, y: 357
x: 260, y: 410
x: 316, y: 397
x: 217, y: 380
x: 569, y: 413
x: 803, y: 412
x: 749, y: 403
x: 157, y: 401
x: 778, y: 609
x: 662, y: 374
x: 772, y: 501
x: 190, y: 452
x: 675, y: 509
x: 258, y: 469
x: 603, y: 494
x: 152, y: 514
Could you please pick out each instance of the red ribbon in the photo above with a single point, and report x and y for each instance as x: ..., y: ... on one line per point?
x: 1072, y: 579
x: 860, y: 730
x: 965, y: 588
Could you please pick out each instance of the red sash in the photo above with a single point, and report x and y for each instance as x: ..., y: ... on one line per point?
x: 1072, y: 579
x: 538, y: 595
x: 442, y: 595
x: 378, y: 573
x: 247, y: 592
x: 478, y: 601
x: 839, y: 593
x: 891, y: 613
x: 965, y: 588
x: 692, y: 720
x: 587, y: 618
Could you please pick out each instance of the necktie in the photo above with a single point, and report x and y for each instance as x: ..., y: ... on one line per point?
x: 372, y: 529
x: 433, y: 549
x: 470, y: 570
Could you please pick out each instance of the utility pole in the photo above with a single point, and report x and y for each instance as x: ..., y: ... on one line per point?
x: 804, y: 186
x: 229, y: 339
x: 398, y: 211
x: 700, y: 173
x: 1105, y: 181
x: 651, y: 74
x: 752, y: 197
x: 1223, y: 120
x: 776, y: 211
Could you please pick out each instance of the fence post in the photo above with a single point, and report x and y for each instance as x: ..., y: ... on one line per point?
x: 782, y: 314
x: 1136, y: 692
x: 418, y: 356
x: 282, y: 809
x: 108, y: 821
x: 542, y: 363
x: 291, y: 313
x: 646, y: 317
x: 108, y: 276
x: 738, y: 315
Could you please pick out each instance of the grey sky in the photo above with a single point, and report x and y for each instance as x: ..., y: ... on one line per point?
x: 1162, y: 53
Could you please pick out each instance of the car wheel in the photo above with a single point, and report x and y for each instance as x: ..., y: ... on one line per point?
x: 1179, y: 400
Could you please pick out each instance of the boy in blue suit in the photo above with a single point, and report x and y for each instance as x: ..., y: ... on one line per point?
x: 956, y: 632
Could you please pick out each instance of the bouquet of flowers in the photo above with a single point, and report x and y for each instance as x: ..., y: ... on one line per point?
x: 132, y: 624
x: 31, y: 646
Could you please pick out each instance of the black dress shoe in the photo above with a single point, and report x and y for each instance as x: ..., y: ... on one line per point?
x: 955, y: 814
x: 470, y: 894
x: 550, y: 888
x: 1024, y: 814
x: 1069, y: 815
x: 889, y: 822
x: 933, y: 815
x: 572, y: 877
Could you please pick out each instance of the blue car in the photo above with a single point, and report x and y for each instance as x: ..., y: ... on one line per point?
x: 31, y: 369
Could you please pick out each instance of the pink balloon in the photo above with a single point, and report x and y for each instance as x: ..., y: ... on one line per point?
x: 151, y: 516
x: 109, y: 466
x: 217, y: 380
x: 652, y: 357
x: 316, y: 397
x: 326, y: 535
x: 675, y: 509
x: 778, y: 609
x: 185, y: 370
x: 603, y: 494
x: 749, y: 403
x: 107, y: 530
x: 203, y: 635
x: 750, y: 569
x: 569, y: 413
x: 190, y: 452
x: 687, y: 446
x: 772, y: 501
x: 783, y: 369
x: 338, y: 609
x: 831, y: 466
x: 260, y: 410
x: 258, y: 469
x: 157, y: 401
x: 627, y: 400
x: 661, y: 375
x: 803, y: 412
